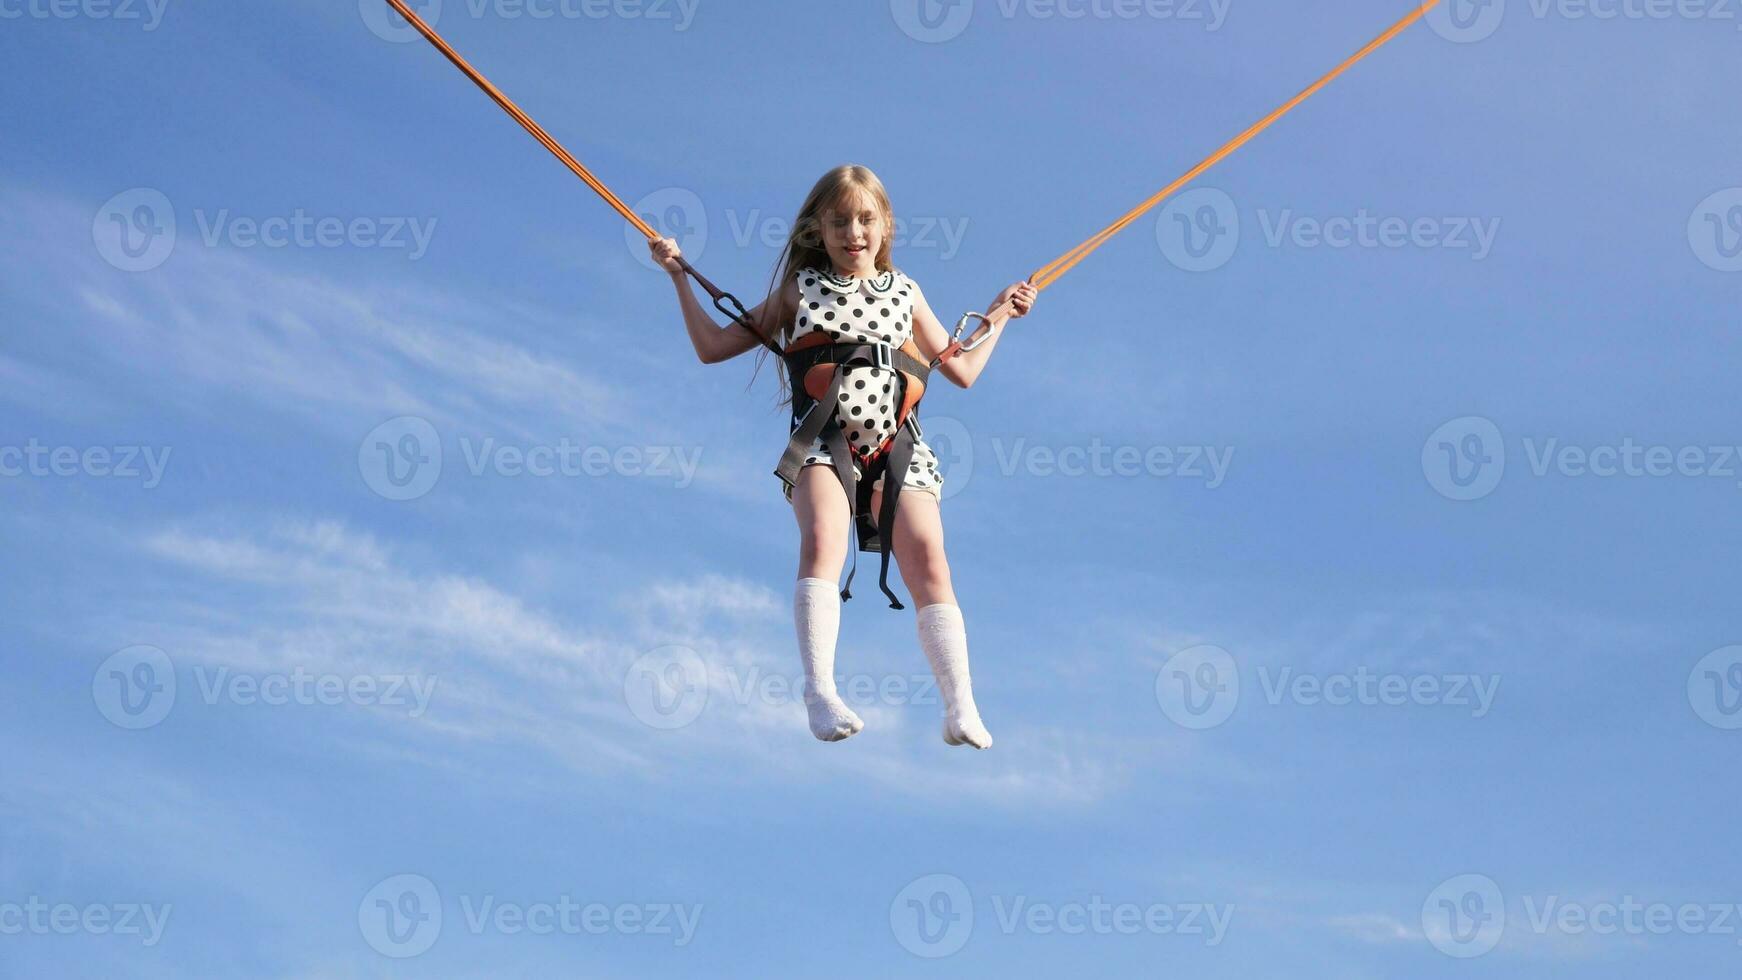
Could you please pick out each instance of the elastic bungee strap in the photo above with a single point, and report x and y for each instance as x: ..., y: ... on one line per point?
x: 723, y: 301
x: 1047, y: 274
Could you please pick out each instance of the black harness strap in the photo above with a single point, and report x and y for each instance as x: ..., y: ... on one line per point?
x: 819, y: 418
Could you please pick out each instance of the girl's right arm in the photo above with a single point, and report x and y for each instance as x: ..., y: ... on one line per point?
x: 713, y: 343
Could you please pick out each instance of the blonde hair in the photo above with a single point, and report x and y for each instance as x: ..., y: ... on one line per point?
x: 804, y: 244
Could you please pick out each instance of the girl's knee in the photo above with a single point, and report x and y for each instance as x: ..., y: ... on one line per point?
x: 822, y: 546
x: 924, y: 560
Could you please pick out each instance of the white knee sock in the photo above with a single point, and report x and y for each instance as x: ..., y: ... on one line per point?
x: 944, y: 638
x: 816, y: 608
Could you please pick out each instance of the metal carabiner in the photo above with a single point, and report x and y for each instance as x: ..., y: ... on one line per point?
x: 736, y: 311
x: 983, y: 334
x: 726, y: 303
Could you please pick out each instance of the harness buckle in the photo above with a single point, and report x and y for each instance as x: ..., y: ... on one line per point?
x: 883, y: 356
x: 981, y: 335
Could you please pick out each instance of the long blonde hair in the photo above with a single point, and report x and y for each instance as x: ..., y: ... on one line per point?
x: 804, y: 244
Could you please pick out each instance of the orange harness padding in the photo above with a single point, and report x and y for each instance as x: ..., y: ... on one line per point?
x: 819, y: 374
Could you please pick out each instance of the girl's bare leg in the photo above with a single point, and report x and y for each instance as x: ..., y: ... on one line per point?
x: 919, y: 550
x: 820, y: 506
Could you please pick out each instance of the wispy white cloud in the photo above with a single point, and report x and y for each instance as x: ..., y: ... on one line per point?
x: 214, y: 323
x: 510, y: 676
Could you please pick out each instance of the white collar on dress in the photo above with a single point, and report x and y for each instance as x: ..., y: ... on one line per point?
x: 879, y: 286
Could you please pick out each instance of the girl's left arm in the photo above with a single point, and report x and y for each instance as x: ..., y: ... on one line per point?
x: 931, y: 336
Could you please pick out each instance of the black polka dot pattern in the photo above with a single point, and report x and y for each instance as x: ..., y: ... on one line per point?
x: 875, y: 310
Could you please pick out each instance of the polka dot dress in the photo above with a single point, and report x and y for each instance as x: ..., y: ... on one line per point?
x: 874, y: 310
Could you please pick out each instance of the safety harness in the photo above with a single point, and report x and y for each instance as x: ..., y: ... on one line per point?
x: 817, y: 366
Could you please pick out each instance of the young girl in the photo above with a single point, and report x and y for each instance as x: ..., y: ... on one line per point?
x: 836, y: 278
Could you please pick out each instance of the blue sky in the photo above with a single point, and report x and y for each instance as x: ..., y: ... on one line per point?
x: 1475, y: 446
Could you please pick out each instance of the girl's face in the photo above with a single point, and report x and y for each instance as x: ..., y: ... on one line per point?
x: 853, y: 233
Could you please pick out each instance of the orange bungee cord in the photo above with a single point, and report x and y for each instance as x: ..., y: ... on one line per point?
x: 723, y: 301
x: 1041, y: 278
x: 1047, y: 274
